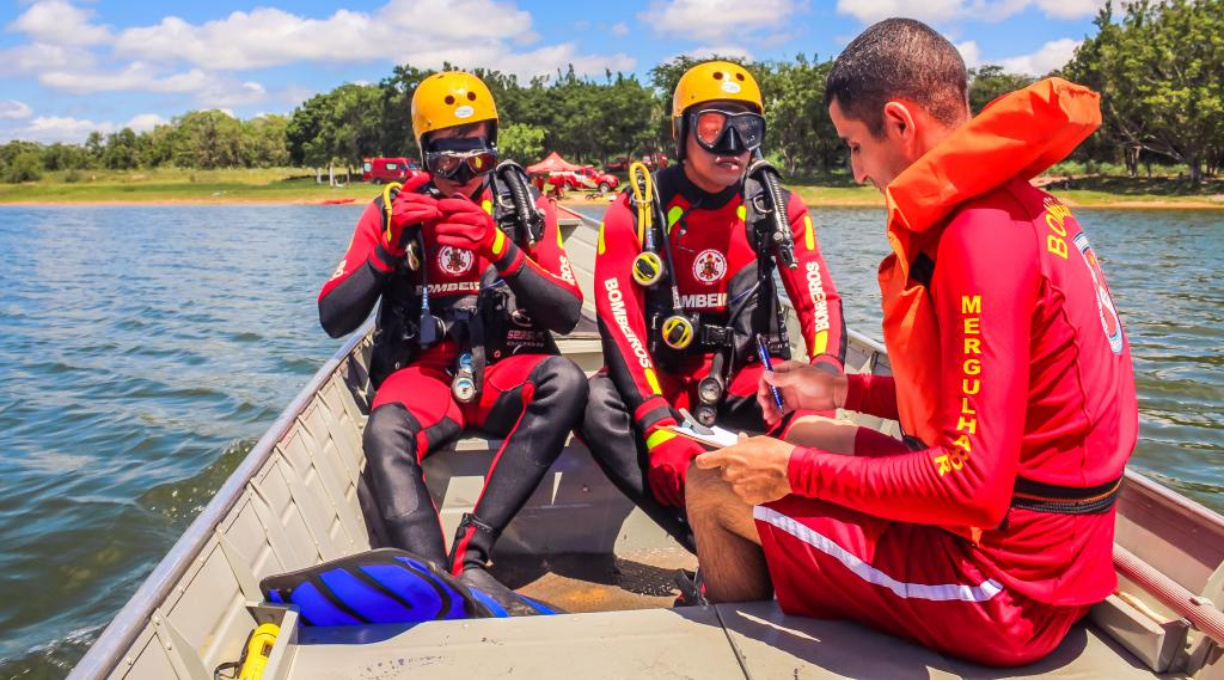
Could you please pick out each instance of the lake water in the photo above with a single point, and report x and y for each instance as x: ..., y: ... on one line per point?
x: 144, y: 349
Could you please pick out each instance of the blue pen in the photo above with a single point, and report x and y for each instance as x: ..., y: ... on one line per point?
x: 763, y: 352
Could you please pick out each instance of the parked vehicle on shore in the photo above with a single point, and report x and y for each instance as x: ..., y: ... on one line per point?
x: 586, y: 178
x: 652, y: 161
x: 382, y: 170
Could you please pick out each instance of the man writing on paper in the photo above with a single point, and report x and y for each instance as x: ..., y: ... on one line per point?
x: 988, y: 532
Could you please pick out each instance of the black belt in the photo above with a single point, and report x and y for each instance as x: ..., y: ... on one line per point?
x: 1065, y: 500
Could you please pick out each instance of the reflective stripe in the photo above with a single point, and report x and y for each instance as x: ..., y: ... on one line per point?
x: 658, y: 437
x: 820, y: 343
x: 499, y: 242
x: 653, y: 380
x: 809, y: 233
x: 600, y: 250
x: 674, y: 216
x: 910, y: 591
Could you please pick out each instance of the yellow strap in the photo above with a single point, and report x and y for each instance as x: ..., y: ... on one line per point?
x: 643, y: 195
x: 387, y: 200
x: 658, y: 437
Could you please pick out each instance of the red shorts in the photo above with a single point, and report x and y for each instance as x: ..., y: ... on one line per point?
x: 914, y: 581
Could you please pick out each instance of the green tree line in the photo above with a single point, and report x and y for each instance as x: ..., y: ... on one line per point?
x: 198, y: 139
x: 1156, y: 64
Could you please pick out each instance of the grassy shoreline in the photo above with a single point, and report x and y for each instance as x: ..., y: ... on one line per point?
x: 288, y: 186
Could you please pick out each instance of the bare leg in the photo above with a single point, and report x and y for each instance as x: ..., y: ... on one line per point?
x: 728, y: 545
x: 826, y: 434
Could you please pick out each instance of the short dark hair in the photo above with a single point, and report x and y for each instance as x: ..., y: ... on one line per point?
x: 899, y: 59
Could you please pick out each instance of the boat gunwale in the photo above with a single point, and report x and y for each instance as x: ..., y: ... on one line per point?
x: 117, y: 638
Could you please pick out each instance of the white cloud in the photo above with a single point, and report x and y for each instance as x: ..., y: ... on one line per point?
x: 135, y: 77
x: 145, y: 122
x: 1070, y: 9
x: 726, y: 51
x: 1049, y: 57
x: 210, y: 90
x: 59, y: 129
x: 718, y: 20
x: 421, y: 32
x: 939, y: 11
x: 50, y: 129
x: 222, y: 93
x: 620, y: 29
x: 13, y: 109
x: 35, y: 58
x: 971, y: 53
x: 57, y: 22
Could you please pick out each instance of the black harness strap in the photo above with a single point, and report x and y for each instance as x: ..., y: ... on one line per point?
x: 1065, y: 500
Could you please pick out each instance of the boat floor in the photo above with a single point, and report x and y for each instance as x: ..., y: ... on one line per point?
x: 582, y: 582
x: 620, y: 623
x: 739, y: 641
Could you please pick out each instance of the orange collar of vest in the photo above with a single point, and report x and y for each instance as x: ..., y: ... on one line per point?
x: 1018, y: 135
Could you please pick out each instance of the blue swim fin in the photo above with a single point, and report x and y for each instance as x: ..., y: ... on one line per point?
x: 391, y: 586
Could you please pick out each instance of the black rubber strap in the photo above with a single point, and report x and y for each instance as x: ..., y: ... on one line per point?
x: 1065, y: 500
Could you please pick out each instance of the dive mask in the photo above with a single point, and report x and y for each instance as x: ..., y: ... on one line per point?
x: 725, y: 133
x: 460, y: 159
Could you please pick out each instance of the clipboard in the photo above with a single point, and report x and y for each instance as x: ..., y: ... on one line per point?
x: 712, y: 438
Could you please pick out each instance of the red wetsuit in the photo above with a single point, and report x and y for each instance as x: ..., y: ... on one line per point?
x: 529, y: 397
x: 715, y: 266
x: 1034, y: 393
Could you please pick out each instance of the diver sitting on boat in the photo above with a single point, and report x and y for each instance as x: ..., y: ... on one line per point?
x: 468, y: 261
x: 989, y: 531
x: 686, y: 290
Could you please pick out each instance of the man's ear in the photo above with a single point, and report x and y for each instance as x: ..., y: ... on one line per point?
x: 899, y: 123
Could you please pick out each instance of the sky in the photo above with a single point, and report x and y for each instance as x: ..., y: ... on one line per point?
x: 68, y: 67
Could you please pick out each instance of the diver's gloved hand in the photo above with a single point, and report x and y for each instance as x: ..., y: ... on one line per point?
x: 669, y: 461
x: 408, y: 209
x: 464, y: 224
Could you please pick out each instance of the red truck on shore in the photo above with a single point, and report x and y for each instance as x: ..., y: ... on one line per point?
x: 652, y: 161
x: 586, y: 178
x: 383, y: 170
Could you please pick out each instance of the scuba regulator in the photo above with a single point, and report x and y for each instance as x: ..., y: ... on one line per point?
x: 649, y: 269
x: 770, y: 204
x: 519, y: 218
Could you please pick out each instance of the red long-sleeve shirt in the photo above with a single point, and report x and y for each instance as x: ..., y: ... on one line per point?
x: 1036, y: 382
x: 710, y: 248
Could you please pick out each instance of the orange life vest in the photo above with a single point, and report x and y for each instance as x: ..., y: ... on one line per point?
x: 1018, y: 135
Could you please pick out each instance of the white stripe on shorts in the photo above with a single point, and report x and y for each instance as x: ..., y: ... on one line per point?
x: 913, y: 591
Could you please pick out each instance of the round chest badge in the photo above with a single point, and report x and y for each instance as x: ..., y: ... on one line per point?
x: 730, y: 87
x: 464, y: 112
x: 454, y: 261
x: 709, y: 266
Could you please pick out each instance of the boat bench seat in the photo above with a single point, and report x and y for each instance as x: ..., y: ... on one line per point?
x: 750, y: 640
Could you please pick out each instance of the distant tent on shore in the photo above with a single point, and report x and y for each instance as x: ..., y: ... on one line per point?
x: 553, y: 163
